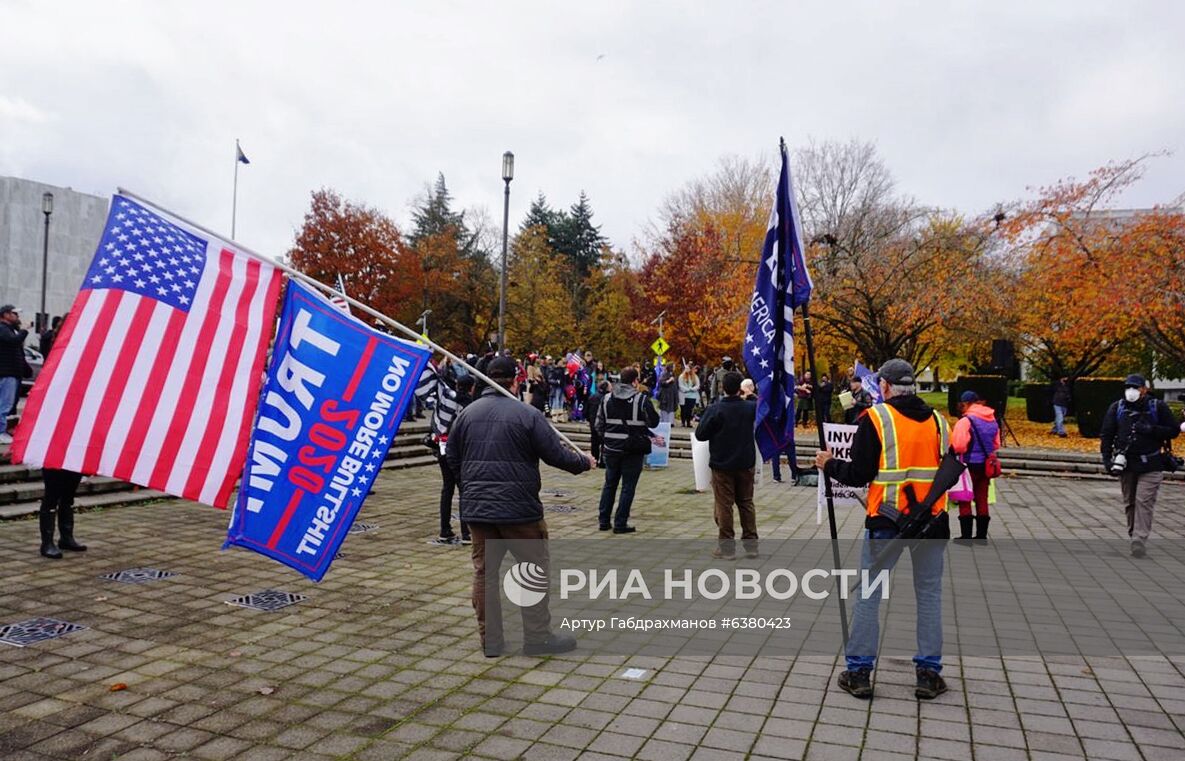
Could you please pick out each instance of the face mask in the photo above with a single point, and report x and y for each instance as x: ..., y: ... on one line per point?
x: 1131, y: 394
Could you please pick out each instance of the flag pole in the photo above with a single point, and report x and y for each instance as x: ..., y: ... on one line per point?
x: 234, y: 203
x: 296, y: 274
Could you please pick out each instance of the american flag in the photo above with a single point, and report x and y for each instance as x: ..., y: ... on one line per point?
x: 157, y: 375
x: 431, y: 387
x: 783, y: 284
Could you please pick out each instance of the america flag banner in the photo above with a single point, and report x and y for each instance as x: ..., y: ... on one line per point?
x: 156, y: 375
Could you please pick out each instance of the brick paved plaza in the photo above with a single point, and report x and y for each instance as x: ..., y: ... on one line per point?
x: 381, y: 660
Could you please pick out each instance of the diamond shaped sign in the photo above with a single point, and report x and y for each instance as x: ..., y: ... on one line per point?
x: 660, y: 346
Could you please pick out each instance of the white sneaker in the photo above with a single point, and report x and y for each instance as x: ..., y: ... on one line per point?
x: 5, y: 438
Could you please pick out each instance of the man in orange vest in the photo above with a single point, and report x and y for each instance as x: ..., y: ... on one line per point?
x: 897, y: 444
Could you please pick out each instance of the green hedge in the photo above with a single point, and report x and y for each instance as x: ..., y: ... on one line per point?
x: 1039, y: 402
x: 992, y: 388
x: 1092, y: 397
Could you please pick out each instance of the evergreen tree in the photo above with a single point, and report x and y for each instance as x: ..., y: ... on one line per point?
x: 578, y: 238
x: 541, y: 215
x: 434, y: 216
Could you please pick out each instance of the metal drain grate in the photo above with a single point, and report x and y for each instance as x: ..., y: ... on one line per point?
x: 561, y: 508
x: 268, y: 599
x: 363, y: 528
x: 35, y: 630
x: 138, y: 575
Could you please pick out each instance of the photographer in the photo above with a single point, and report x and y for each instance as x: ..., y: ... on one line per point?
x: 1135, y: 434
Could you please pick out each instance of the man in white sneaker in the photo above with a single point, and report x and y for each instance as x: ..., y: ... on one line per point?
x: 12, y: 363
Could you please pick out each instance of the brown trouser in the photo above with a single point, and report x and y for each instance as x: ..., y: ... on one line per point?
x: 1139, y: 500
x: 729, y: 487
x: 528, y: 543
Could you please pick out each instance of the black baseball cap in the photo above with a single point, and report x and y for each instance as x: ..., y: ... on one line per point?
x: 1135, y: 380
x: 502, y: 367
x: 897, y: 372
x: 9, y: 308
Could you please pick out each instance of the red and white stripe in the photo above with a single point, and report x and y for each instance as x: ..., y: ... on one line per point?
x: 146, y: 393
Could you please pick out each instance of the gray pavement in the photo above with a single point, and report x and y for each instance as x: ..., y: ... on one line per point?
x: 381, y: 660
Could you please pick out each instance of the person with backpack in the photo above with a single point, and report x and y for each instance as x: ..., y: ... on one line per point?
x: 976, y: 438
x: 624, y: 420
x: 1134, y: 441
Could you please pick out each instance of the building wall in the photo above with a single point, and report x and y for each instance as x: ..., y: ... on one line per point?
x: 74, y: 230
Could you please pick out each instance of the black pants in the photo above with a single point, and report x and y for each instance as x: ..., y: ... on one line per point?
x: 687, y: 412
x: 803, y: 415
x: 624, y: 470
x: 60, y: 488
x: 447, y: 488
x: 596, y: 443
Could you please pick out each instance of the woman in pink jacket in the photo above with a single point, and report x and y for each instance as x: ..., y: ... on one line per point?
x: 974, y: 437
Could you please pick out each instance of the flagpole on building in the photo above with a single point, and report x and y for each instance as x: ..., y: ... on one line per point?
x: 329, y: 290
x: 234, y: 203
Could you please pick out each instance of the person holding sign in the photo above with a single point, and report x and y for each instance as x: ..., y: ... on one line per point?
x: 494, y: 449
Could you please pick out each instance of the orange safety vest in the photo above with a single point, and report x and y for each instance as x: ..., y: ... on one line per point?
x: 910, y: 454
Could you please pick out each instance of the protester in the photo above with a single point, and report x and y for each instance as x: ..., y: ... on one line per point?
x: 689, y: 385
x: 60, y: 488
x: 12, y: 364
x: 824, y: 391
x: 715, y: 388
x: 861, y: 401
x: 557, y: 376
x: 45, y: 341
x: 727, y: 426
x: 805, y: 398
x: 624, y: 420
x: 537, y: 382
x: 1135, y: 432
x: 975, y: 437
x: 904, y: 434
x: 594, y: 406
x: 461, y: 399
x: 748, y: 390
x: 1061, y: 406
x: 668, y: 396
x: 494, y: 450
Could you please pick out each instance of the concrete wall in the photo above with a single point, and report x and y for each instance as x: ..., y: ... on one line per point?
x: 74, y: 230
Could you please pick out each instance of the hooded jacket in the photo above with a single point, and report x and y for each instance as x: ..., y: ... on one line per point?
x: 986, y: 434
x: 866, y: 452
x: 624, y: 420
x: 494, y: 449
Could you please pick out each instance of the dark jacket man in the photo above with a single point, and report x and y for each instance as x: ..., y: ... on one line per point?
x: 624, y: 419
x: 12, y: 348
x: 727, y: 426
x: 494, y: 449
x: 728, y: 429
x: 1061, y: 393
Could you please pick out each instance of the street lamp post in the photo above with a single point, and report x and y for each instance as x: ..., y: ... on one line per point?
x: 507, y: 176
x: 47, y: 210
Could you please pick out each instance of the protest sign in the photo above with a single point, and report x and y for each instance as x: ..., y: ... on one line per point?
x: 331, y: 404
x: 660, y: 454
x: 839, y: 441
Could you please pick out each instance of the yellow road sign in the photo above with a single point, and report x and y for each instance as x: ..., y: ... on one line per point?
x: 660, y: 346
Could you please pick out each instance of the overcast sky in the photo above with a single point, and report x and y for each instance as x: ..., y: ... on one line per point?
x: 968, y: 103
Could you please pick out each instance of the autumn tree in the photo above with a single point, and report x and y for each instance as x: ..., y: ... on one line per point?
x: 607, y: 329
x: 538, y: 314
x: 361, y: 244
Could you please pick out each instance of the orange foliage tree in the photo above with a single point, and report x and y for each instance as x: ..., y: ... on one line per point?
x: 361, y: 244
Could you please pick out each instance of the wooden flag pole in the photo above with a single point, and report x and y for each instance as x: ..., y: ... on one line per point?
x: 296, y: 274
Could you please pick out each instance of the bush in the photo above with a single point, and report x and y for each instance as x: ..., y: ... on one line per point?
x: 992, y: 388
x: 1039, y: 402
x: 1092, y: 397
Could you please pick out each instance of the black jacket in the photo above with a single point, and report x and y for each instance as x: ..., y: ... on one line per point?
x: 590, y: 409
x: 494, y: 449
x: 727, y: 426
x: 624, y: 420
x: 866, y: 451
x: 12, y: 351
x: 1061, y: 395
x: 1139, y: 431
x: 668, y: 393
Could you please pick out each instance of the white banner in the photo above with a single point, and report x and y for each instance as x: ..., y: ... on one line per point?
x: 839, y: 441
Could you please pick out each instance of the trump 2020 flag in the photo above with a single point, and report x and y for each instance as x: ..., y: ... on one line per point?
x: 868, y: 382
x: 157, y: 371
x: 783, y: 283
x: 330, y: 407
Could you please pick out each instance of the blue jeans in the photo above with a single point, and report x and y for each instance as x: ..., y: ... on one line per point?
x: 928, y: 557
x: 626, y: 469
x: 8, y: 390
x: 1059, y: 418
x: 557, y: 398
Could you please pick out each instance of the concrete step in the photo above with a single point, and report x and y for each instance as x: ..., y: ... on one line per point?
x: 86, y: 502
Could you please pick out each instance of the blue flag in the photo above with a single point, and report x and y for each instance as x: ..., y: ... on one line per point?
x: 331, y: 405
x: 783, y: 284
x: 240, y: 156
x: 868, y: 381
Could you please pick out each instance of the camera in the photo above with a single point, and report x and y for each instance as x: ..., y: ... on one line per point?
x: 1119, y: 464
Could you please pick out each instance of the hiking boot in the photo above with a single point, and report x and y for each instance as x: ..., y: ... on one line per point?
x: 965, y: 523
x: 720, y: 554
x: 981, y: 528
x: 930, y: 684
x: 624, y: 530
x: 604, y: 527
x: 856, y: 683
x: 555, y: 643
x: 1138, y: 550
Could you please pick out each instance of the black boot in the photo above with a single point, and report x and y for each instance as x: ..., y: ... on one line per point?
x: 47, y: 546
x: 66, y: 526
x: 981, y: 525
x: 964, y: 529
